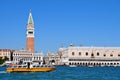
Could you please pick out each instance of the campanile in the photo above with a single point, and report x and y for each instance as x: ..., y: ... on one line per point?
x: 30, y: 34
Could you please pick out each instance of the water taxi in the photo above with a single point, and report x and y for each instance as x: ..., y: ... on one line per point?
x: 30, y: 68
x: 72, y: 65
x: 90, y: 66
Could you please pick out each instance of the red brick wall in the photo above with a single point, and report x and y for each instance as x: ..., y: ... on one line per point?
x: 30, y: 44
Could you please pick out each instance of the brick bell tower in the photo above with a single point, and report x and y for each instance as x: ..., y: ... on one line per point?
x: 30, y: 34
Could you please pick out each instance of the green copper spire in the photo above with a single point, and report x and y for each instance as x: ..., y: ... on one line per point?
x: 30, y: 19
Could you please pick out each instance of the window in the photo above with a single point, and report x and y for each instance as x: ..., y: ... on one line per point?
x: 119, y: 55
x: 73, y: 53
x: 104, y: 55
x: 30, y: 32
x: 111, y: 55
x: 98, y: 54
x: 79, y: 53
x: 86, y: 53
x: 92, y: 55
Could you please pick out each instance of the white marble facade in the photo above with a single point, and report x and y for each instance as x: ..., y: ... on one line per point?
x: 94, y: 56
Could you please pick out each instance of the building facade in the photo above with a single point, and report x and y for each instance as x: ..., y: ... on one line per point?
x: 63, y: 53
x: 52, y: 58
x: 6, y: 53
x: 23, y: 55
x: 30, y: 34
x: 92, y: 56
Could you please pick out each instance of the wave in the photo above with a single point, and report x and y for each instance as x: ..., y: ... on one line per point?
x: 1, y: 72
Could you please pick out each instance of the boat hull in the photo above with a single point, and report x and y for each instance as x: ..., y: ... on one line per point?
x: 30, y: 69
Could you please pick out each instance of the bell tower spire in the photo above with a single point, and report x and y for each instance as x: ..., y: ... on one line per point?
x: 30, y: 19
x: 30, y: 34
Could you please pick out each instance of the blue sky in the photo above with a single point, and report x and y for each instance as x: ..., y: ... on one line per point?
x: 60, y: 22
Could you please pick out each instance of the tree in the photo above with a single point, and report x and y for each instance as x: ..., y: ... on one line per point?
x: 6, y: 58
x: 1, y: 60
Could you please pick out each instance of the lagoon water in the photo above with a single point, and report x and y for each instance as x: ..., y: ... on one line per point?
x: 66, y: 73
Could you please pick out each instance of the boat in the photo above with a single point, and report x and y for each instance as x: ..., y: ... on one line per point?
x: 72, y: 65
x: 90, y: 66
x: 30, y: 68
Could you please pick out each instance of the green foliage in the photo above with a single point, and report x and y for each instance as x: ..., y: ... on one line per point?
x: 6, y: 58
x: 1, y: 60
